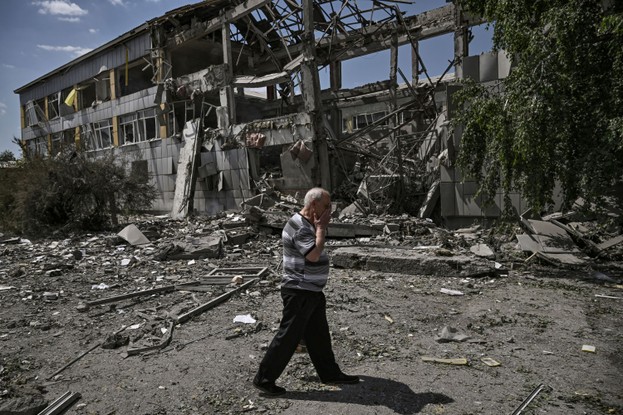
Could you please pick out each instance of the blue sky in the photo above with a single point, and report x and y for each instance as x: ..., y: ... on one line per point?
x: 41, y: 35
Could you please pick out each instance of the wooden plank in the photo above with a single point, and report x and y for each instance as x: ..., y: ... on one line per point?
x: 610, y: 243
x: 213, y: 303
x: 254, y: 271
x: 114, y: 299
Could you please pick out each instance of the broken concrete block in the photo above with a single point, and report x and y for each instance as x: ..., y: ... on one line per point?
x: 199, y: 248
x: 133, y: 236
x: 483, y: 250
x: 354, y: 209
x: 115, y: 340
x: 408, y: 262
x: 238, y: 239
x: 300, y: 151
x: 450, y: 334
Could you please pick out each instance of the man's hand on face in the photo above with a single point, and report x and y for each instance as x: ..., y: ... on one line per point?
x: 322, y: 221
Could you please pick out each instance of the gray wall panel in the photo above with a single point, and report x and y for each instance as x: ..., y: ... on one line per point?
x: 111, y: 58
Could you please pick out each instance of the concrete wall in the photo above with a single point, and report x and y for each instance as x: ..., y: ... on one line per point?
x: 162, y: 158
x: 459, y: 205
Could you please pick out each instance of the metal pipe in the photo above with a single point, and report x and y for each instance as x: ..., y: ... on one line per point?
x: 61, y: 404
x: 529, y: 399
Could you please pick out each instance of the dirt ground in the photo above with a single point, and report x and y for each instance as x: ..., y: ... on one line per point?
x: 533, y: 321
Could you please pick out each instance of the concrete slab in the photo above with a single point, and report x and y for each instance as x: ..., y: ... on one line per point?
x: 548, y: 229
x: 407, y: 261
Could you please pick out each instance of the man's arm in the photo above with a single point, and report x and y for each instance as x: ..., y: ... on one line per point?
x: 321, y: 224
x: 314, y: 254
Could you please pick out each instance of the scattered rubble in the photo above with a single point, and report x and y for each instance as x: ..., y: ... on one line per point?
x: 400, y: 288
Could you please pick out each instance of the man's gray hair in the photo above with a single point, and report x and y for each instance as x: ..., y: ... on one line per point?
x: 313, y: 194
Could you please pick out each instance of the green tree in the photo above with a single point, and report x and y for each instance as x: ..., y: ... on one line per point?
x: 74, y: 191
x: 7, y: 155
x: 558, y: 117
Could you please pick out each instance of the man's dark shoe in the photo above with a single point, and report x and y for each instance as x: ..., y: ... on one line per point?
x: 342, y: 379
x: 269, y: 388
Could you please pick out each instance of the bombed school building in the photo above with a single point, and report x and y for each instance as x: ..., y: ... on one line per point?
x: 218, y: 101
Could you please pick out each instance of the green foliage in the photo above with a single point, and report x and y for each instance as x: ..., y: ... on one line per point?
x: 75, y: 191
x: 7, y: 155
x: 559, y: 118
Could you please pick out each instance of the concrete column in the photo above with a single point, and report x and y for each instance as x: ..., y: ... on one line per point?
x: 113, y: 84
x: 461, y: 42
x: 115, y: 130
x: 160, y: 73
x: 227, y: 92
x: 311, y: 95
x: 415, y: 63
x: 393, y: 82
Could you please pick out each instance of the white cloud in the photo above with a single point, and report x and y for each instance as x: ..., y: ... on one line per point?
x: 93, y: 31
x: 69, y: 19
x: 116, y: 2
x: 60, y: 8
x: 75, y: 50
x: 3, y: 108
x: 8, y: 65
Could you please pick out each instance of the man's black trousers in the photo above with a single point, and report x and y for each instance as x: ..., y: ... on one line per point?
x: 304, y: 317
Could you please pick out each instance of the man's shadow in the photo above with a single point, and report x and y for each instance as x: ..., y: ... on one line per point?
x: 373, y: 391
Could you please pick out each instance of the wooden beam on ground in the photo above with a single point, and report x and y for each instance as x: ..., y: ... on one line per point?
x: 160, y: 290
x: 213, y: 303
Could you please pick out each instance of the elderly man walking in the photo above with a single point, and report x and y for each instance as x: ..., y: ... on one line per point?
x: 305, y: 273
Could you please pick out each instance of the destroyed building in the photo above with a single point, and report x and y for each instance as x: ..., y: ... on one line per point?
x: 176, y: 97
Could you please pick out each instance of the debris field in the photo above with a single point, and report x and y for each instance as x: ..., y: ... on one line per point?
x: 172, y: 317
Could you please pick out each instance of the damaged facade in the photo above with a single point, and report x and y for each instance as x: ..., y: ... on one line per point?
x: 176, y: 97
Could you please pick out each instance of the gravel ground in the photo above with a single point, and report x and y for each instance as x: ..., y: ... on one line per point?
x: 534, y: 323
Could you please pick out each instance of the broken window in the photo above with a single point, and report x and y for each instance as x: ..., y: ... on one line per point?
x: 62, y: 140
x: 127, y: 128
x: 33, y: 113
x: 139, y: 126
x: 53, y: 109
x: 86, y: 96
x: 147, y: 124
x: 65, y: 104
x: 102, y: 89
x: 37, y: 147
x: 172, y: 124
x: 86, y: 137
x: 103, y: 133
x: 97, y: 136
x: 138, y: 77
x: 353, y: 123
